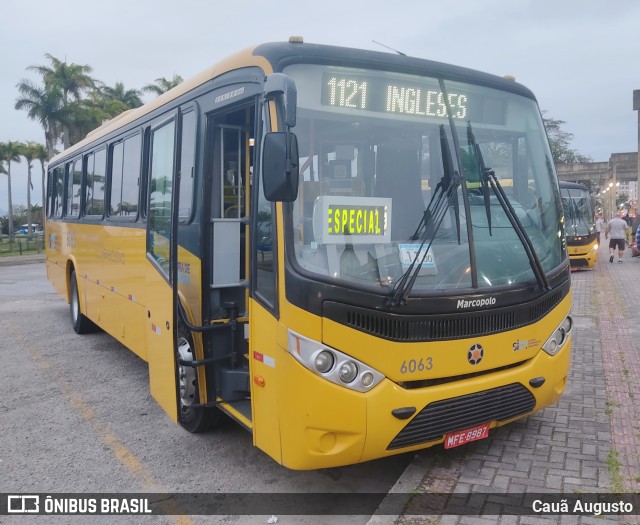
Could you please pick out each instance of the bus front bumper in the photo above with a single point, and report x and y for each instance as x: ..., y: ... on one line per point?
x: 329, y: 425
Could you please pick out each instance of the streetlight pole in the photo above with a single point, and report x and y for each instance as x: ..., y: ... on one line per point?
x: 636, y: 107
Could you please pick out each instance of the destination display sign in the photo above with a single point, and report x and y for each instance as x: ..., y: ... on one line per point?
x: 391, y: 96
x: 401, y: 95
x: 356, y: 220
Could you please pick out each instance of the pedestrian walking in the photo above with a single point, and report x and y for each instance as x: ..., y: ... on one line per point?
x: 627, y: 218
x: 616, y: 232
x: 636, y: 248
x: 599, y: 224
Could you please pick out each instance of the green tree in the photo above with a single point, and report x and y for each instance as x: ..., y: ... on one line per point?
x: 71, y: 80
x: 46, y: 107
x: 559, y: 141
x: 10, y: 152
x: 30, y: 153
x: 162, y: 85
x: 42, y: 155
x: 129, y: 97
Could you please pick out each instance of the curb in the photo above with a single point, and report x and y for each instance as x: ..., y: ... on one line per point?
x: 15, y: 260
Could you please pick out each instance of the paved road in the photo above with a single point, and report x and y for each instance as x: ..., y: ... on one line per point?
x: 76, y: 416
x: 85, y: 429
x: 588, y: 443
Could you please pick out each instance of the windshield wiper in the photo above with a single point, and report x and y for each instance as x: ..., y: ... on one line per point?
x: 484, y: 174
x: 440, y: 192
x: 444, y: 195
x: 571, y: 212
x: 536, y: 266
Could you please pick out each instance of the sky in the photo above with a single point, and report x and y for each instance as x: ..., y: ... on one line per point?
x: 579, y: 57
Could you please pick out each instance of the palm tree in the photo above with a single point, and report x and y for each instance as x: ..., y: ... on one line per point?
x: 162, y: 85
x: 47, y: 107
x: 10, y: 152
x: 41, y: 154
x: 129, y: 97
x: 3, y: 171
x: 68, y: 79
x: 29, y: 152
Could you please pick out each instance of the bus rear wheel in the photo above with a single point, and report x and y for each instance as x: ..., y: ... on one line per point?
x: 191, y: 417
x: 80, y: 323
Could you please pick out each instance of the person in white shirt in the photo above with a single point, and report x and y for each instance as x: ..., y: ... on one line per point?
x: 599, y: 222
x: 616, y: 232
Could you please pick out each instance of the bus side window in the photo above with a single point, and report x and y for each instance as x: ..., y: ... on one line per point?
x: 94, y: 183
x: 161, y: 194
x: 74, y: 188
x: 56, y: 192
x: 187, y: 166
x: 125, y: 176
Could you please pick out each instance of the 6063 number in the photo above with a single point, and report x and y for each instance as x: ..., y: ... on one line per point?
x: 412, y: 365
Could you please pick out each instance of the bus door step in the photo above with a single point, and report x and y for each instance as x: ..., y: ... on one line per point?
x: 232, y: 383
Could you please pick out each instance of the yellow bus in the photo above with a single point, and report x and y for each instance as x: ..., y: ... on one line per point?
x: 582, y: 239
x: 315, y: 242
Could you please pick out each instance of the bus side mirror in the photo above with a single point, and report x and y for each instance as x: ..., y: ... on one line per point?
x: 280, y: 166
x: 283, y: 86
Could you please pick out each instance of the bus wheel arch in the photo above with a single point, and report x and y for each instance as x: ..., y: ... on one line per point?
x: 81, y: 324
x: 192, y: 416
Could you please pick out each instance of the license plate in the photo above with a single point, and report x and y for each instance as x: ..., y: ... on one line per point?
x: 460, y: 437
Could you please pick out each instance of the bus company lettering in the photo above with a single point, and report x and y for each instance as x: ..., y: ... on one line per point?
x: 355, y: 220
x: 487, y: 301
x: 230, y: 94
x: 113, y: 256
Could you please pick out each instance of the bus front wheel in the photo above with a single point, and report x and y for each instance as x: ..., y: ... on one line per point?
x: 80, y: 323
x: 191, y: 416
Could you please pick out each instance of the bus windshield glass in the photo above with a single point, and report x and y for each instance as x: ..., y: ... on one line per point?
x: 578, y: 214
x: 376, y: 148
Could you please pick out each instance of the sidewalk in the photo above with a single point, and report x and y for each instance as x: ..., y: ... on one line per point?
x: 21, y: 259
x: 588, y: 443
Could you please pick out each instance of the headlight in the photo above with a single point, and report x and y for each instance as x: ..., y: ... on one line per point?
x: 559, y: 337
x: 324, y: 361
x: 348, y: 371
x: 333, y: 365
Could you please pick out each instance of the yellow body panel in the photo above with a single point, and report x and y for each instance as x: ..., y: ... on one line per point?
x: 325, y: 425
x: 583, y: 256
x: 264, y: 399
x: 125, y: 295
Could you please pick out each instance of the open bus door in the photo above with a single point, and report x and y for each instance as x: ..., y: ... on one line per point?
x: 161, y: 277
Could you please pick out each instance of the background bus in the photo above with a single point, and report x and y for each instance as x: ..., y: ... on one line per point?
x: 582, y: 239
x: 315, y: 241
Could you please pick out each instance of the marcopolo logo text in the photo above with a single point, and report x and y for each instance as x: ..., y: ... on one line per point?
x: 487, y: 301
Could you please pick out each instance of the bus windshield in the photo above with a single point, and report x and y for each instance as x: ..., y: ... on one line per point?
x: 578, y: 214
x: 377, y: 147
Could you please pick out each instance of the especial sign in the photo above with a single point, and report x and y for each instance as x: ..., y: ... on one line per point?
x: 353, y: 220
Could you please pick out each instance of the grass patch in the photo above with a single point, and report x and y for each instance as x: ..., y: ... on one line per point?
x: 21, y: 245
x: 613, y: 466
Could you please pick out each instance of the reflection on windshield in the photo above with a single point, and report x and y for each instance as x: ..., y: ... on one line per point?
x: 367, y: 178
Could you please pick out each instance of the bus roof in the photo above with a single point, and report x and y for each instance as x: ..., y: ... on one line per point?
x: 274, y: 57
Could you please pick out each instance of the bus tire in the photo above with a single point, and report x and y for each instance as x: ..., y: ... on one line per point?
x: 80, y: 323
x: 194, y: 419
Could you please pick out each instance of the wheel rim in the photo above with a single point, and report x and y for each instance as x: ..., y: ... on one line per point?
x: 186, y: 374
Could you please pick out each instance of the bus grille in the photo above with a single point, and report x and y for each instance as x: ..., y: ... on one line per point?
x: 417, y: 328
x: 440, y: 417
